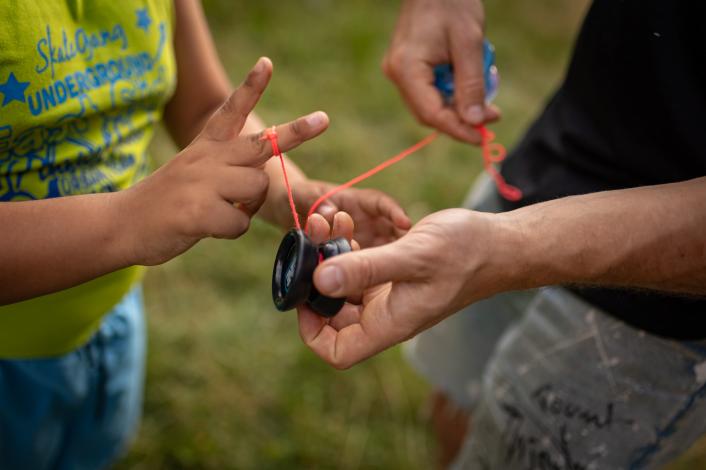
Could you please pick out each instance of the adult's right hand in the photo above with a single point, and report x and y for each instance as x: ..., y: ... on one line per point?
x: 433, y: 32
x: 448, y: 260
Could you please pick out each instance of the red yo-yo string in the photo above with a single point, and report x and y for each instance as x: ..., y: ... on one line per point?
x: 493, y: 153
x: 271, y: 135
x: 400, y: 156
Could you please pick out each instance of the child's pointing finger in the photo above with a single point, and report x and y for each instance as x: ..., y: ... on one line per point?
x: 227, y: 122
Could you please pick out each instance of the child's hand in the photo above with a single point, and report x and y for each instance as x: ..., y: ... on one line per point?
x: 320, y: 230
x: 379, y: 219
x: 214, y: 186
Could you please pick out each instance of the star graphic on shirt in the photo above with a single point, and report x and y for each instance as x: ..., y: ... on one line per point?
x: 143, y: 19
x: 13, y: 90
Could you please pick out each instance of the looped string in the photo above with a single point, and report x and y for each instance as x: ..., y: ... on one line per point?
x: 493, y: 152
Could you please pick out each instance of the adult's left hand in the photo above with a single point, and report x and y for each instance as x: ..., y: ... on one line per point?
x: 447, y: 261
x: 433, y: 32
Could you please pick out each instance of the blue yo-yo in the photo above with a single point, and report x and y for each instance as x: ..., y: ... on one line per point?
x: 444, y: 75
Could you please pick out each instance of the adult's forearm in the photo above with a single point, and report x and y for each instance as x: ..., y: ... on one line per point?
x: 652, y: 237
x: 54, y: 244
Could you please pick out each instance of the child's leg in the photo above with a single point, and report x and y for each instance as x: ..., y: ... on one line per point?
x: 79, y: 410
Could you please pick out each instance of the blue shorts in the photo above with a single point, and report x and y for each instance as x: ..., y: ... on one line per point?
x: 80, y: 410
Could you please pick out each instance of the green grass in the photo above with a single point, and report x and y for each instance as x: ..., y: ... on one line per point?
x: 230, y: 385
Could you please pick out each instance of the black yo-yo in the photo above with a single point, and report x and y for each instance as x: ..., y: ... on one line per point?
x: 292, y: 277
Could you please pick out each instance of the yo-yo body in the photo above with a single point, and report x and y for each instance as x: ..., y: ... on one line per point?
x: 292, y: 276
x: 444, y: 75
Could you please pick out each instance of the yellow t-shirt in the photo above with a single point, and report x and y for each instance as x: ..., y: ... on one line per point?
x: 82, y: 84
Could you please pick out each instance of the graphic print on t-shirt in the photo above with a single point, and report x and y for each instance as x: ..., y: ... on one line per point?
x: 79, y: 104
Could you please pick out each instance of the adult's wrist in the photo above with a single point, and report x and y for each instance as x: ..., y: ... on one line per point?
x: 542, y: 253
x: 514, y: 256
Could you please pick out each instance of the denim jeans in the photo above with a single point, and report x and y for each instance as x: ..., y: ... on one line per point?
x: 79, y: 410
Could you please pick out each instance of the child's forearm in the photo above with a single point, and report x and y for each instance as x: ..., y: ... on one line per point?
x: 209, y: 190
x: 54, y: 244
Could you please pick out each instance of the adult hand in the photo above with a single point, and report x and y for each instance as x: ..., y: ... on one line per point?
x: 214, y: 186
x: 433, y: 32
x: 447, y: 261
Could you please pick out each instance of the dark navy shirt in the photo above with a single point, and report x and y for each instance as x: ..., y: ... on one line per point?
x: 630, y: 112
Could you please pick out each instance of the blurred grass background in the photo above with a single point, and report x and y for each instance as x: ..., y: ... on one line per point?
x: 229, y: 383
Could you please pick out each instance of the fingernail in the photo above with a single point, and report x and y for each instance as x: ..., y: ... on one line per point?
x: 330, y: 280
x: 474, y: 114
x: 316, y: 119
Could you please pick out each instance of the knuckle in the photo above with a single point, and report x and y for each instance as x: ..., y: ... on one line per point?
x: 297, y: 129
x: 394, y: 63
x: 471, y: 87
x: 340, y: 363
x: 260, y: 182
x: 426, y: 116
x: 295, y: 135
x: 258, y: 143
x: 192, y: 216
x: 425, y: 265
x: 367, y: 270
x: 216, y: 229
x: 238, y: 226
x: 474, y: 33
x: 188, y: 157
x: 242, y: 225
x: 229, y: 106
x: 383, y: 200
x: 386, y: 66
x: 480, y: 20
x: 249, y: 81
x: 475, y: 139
